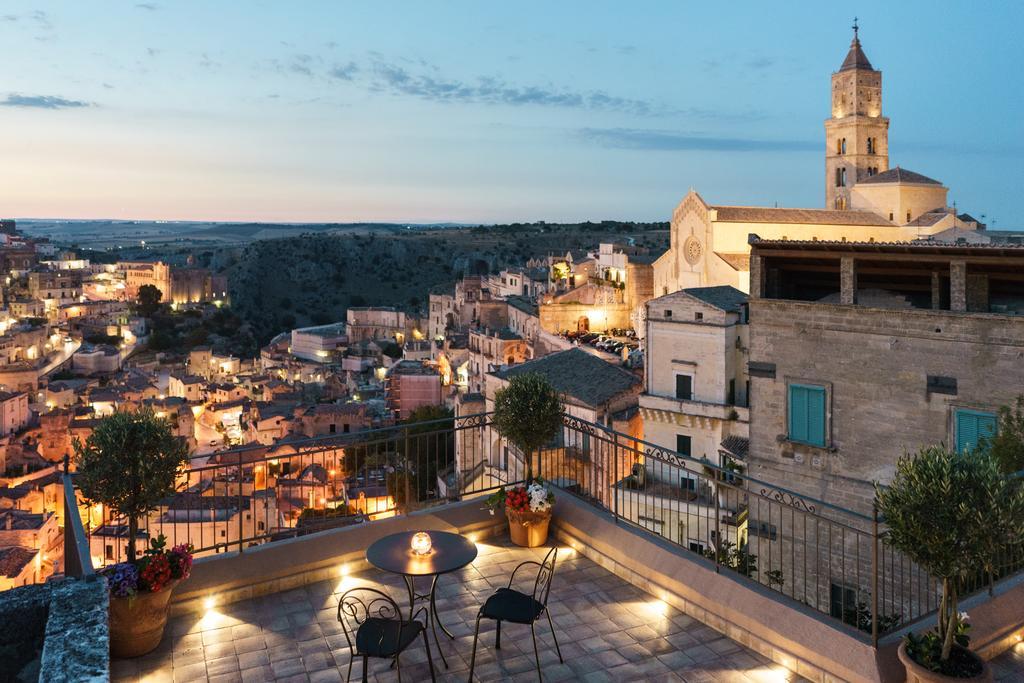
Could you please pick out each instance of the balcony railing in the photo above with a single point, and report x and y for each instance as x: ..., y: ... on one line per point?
x: 828, y: 558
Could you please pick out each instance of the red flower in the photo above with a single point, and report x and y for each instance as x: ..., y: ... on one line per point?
x: 155, y: 574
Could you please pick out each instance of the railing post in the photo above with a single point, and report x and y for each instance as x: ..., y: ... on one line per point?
x: 718, y: 527
x: 874, y: 575
x: 241, y: 512
x: 615, y: 476
x: 407, y: 473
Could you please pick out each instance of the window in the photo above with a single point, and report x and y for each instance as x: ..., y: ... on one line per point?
x: 684, y: 387
x: 807, y: 414
x: 971, y: 427
x: 260, y: 526
x: 696, y: 547
x: 345, y: 428
x: 871, y: 145
x: 890, y: 215
x: 842, y: 146
x: 108, y: 552
x: 331, y: 428
x: 731, y: 398
x: 223, y: 533
x: 841, y: 599
x: 908, y: 216
x: 668, y: 314
x: 684, y: 444
x: 687, y: 483
x: 698, y: 316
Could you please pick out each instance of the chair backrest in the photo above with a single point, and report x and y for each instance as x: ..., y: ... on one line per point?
x: 542, y: 586
x: 356, y: 605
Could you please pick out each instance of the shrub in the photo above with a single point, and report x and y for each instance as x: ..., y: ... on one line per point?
x: 528, y: 412
x: 951, y: 513
x: 130, y: 463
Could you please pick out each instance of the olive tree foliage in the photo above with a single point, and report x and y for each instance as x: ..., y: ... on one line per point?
x: 528, y: 412
x: 130, y: 463
x: 951, y: 513
x: 1007, y: 444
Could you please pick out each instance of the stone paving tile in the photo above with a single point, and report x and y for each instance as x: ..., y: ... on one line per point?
x: 607, y: 629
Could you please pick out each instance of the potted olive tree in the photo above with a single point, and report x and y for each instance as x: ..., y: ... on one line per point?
x: 129, y: 464
x: 950, y: 513
x: 527, y: 412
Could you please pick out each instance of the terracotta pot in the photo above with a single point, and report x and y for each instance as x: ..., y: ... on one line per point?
x: 528, y: 529
x: 919, y: 674
x: 137, y: 624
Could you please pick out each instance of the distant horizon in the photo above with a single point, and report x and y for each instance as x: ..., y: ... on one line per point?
x: 479, y: 115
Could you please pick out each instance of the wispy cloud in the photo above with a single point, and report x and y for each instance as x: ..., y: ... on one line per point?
x: 344, y: 72
x: 150, y: 6
x: 41, y: 102
x: 671, y: 141
x: 392, y: 78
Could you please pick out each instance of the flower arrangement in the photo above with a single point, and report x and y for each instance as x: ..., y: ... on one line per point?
x: 520, y: 499
x: 152, y: 572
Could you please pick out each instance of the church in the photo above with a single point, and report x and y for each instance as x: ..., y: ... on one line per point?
x: 866, y: 200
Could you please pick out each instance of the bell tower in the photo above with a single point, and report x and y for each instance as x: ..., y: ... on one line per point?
x: 856, y: 135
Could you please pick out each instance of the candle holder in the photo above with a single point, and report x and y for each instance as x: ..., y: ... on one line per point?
x: 421, y: 543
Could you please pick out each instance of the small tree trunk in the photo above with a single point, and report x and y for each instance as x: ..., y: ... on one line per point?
x: 951, y: 622
x: 133, y: 530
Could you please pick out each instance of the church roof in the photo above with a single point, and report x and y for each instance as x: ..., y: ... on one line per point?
x: 898, y: 175
x: 855, y: 58
x: 756, y: 214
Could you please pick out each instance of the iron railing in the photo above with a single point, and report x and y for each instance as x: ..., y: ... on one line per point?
x: 827, y: 557
x: 237, y: 498
x: 832, y: 559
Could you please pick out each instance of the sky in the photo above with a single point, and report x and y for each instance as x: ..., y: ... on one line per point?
x: 485, y: 112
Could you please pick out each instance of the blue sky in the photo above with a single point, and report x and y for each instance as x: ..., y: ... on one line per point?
x: 460, y: 111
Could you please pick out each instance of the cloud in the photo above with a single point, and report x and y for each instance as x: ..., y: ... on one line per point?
x: 760, y: 63
x: 41, y: 102
x: 392, y: 78
x: 672, y: 141
x: 345, y: 72
x: 150, y: 6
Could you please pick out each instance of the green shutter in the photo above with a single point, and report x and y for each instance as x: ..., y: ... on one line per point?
x: 971, y: 427
x: 807, y: 414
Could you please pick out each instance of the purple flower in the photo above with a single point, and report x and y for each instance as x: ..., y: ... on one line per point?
x: 122, y: 579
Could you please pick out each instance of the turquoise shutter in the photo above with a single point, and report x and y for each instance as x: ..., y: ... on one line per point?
x: 816, y: 416
x: 807, y: 414
x: 972, y: 427
x: 797, y: 413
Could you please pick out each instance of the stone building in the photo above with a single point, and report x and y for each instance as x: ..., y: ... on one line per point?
x: 695, y: 387
x: 861, y: 351
x: 865, y: 200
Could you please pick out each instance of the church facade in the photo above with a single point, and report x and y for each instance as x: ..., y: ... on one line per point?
x: 865, y: 199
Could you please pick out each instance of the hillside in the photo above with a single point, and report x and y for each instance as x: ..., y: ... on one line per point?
x: 279, y: 284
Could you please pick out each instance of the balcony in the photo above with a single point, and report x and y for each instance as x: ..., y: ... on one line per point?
x: 701, y: 409
x: 631, y: 600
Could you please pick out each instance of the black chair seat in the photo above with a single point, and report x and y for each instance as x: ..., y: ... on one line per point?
x: 385, y: 637
x: 511, y: 605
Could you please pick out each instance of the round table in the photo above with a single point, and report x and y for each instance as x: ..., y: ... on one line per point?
x: 449, y: 552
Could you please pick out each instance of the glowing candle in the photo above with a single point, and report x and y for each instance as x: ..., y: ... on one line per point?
x: 421, y: 543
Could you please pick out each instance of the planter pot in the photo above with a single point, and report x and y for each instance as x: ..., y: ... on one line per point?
x: 919, y: 674
x: 528, y: 529
x: 137, y: 624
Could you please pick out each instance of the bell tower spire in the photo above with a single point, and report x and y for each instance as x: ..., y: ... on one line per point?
x: 856, y: 135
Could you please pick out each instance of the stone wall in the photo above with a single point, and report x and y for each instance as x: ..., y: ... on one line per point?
x: 876, y: 365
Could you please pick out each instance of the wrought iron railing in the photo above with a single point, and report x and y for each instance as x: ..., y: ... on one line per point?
x: 827, y: 557
x: 824, y: 556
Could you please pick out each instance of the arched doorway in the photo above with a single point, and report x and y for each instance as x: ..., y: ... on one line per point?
x: 583, y: 324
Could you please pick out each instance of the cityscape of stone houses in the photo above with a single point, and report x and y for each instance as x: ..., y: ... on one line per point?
x: 806, y: 347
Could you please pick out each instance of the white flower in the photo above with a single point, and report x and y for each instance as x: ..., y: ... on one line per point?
x: 965, y: 618
x: 538, y: 496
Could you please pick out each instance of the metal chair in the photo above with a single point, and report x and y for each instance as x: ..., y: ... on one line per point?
x: 373, y: 626
x: 511, y: 605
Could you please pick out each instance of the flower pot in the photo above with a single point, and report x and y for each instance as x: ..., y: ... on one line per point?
x: 528, y: 529
x: 919, y: 674
x: 137, y: 623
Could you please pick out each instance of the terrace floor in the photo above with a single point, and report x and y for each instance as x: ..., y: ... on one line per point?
x: 608, y: 630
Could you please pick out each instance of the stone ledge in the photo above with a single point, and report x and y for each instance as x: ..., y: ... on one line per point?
x: 284, y: 565
x: 790, y: 635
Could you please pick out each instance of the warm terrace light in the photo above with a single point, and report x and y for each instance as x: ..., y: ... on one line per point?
x: 209, y: 602
x: 421, y: 543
